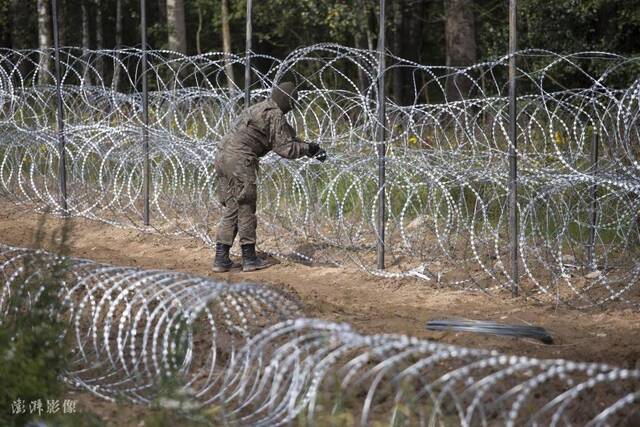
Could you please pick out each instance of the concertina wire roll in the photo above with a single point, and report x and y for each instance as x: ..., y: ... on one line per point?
x: 243, y: 353
x: 446, y: 164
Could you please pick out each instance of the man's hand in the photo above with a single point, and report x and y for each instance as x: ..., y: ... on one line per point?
x: 321, y: 155
x: 316, y: 152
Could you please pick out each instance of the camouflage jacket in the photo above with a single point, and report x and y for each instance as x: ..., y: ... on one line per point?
x: 260, y: 129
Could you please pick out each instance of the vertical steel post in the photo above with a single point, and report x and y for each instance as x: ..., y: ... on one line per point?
x: 145, y: 112
x: 513, y: 159
x: 62, y: 169
x: 380, y: 137
x: 247, y: 60
x: 594, y: 201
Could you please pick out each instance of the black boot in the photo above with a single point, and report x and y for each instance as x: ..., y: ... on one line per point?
x: 222, y: 262
x: 250, y: 262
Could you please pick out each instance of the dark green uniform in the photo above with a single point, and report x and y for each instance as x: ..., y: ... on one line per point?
x: 259, y: 129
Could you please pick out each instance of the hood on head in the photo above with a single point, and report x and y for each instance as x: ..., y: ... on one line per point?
x: 284, y: 95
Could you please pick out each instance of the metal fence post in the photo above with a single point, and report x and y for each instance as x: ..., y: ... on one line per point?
x: 247, y: 60
x: 145, y: 112
x: 380, y: 137
x: 513, y: 159
x: 593, y: 201
x: 62, y: 169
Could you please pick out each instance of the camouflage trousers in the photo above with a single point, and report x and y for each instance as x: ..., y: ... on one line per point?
x: 237, y: 194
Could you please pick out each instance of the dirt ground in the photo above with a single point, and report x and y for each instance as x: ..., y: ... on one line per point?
x: 370, y: 304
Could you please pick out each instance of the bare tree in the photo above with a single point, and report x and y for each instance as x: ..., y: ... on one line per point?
x: 176, y: 26
x: 460, y: 37
x: 44, y: 41
x: 226, y: 42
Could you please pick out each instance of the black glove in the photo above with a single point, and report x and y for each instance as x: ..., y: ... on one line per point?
x: 316, y: 152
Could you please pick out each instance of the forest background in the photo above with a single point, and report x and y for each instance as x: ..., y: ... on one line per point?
x: 430, y: 32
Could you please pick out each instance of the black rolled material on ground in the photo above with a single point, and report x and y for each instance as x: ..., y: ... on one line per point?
x: 484, y: 327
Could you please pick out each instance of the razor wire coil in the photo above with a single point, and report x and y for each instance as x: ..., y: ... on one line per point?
x: 446, y: 163
x: 231, y: 347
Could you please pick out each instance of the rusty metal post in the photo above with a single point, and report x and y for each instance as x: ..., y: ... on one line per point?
x: 247, y: 59
x: 145, y: 113
x: 513, y: 154
x: 62, y: 165
x: 593, y: 214
x: 380, y: 137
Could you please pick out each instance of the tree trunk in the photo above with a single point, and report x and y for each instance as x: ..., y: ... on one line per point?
x: 365, y: 26
x: 460, y: 44
x: 162, y: 12
x: 415, y: 46
x: 85, y: 39
x: 6, y: 31
x: 116, y: 64
x: 16, y: 40
x: 176, y: 26
x: 226, y: 42
x: 44, y: 41
x: 199, y: 30
x: 118, y: 24
x: 363, y: 40
x: 397, y: 49
x: 62, y: 28
x: 99, y: 36
x: 371, y: 18
x: 362, y: 79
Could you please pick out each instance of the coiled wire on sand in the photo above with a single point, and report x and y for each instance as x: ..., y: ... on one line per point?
x: 447, y: 174
x: 231, y: 349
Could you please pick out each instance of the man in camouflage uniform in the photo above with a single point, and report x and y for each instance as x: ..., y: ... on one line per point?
x: 260, y: 129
